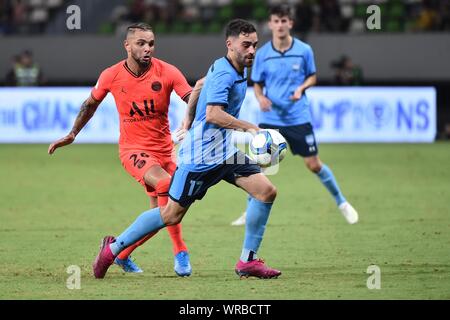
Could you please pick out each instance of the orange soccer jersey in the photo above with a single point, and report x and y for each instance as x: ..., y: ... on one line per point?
x: 143, y: 103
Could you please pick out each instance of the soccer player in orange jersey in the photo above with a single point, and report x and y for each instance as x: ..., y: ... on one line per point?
x: 141, y: 86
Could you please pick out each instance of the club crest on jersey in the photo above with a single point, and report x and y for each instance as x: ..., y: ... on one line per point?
x: 309, y: 139
x: 295, y: 67
x: 156, y: 86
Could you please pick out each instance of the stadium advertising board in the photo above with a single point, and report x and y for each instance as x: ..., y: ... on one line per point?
x: 374, y: 114
x: 365, y: 114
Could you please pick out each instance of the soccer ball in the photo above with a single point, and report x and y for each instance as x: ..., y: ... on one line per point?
x: 268, y: 147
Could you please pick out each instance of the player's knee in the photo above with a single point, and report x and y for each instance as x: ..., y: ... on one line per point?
x: 147, y: 178
x: 314, y: 166
x: 171, y: 216
x: 173, y: 220
x: 269, y: 194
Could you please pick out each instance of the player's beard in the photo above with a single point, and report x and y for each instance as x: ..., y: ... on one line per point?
x: 142, y: 63
x: 248, y: 62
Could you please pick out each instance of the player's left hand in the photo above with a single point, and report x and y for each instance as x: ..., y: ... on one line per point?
x: 61, y: 143
x: 297, y: 94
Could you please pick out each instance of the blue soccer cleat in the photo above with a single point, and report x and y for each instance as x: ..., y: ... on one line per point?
x: 128, y: 265
x: 182, y: 264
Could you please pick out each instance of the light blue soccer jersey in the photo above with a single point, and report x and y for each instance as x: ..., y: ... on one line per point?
x: 282, y: 74
x: 208, y: 145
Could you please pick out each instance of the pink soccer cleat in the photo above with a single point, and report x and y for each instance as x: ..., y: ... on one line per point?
x: 256, y: 268
x: 104, y: 259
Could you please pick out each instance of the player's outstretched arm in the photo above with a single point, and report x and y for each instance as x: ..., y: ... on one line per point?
x: 87, y: 110
x: 216, y: 115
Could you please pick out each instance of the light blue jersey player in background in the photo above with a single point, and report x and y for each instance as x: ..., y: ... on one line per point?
x: 284, y: 68
x: 208, y: 155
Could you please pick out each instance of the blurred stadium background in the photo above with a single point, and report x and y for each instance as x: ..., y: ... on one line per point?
x: 405, y: 198
x: 410, y: 49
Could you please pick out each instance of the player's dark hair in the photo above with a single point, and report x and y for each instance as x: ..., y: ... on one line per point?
x: 237, y: 26
x: 281, y: 10
x: 139, y: 26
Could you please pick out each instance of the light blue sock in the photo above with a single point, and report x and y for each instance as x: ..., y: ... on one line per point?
x: 146, y: 223
x: 255, y: 225
x: 327, y: 178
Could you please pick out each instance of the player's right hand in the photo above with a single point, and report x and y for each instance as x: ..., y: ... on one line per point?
x: 61, y: 143
x: 179, y: 135
x: 265, y: 104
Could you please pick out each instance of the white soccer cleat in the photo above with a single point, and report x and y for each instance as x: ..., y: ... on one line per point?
x: 239, y: 221
x: 349, y: 212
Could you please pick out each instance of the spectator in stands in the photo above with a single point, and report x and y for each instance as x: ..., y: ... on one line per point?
x: 428, y: 17
x: 10, y: 79
x: 170, y: 11
x: 136, y: 10
x: 24, y: 71
x: 444, y: 10
x: 330, y: 16
x: 5, y: 20
x: 304, y: 16
x: 19, y: 15
x: 347, y: 73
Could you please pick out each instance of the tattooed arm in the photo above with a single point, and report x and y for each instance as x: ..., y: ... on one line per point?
x: 87, y: 110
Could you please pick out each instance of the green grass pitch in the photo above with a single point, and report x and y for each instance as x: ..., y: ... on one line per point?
x: 55, y: 209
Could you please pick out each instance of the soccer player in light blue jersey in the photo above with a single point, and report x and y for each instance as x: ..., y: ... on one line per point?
x: 208, y: 155
x: 284, y: 68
